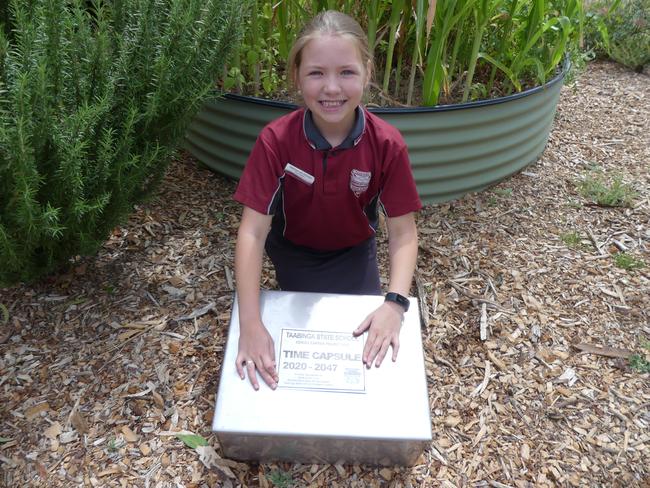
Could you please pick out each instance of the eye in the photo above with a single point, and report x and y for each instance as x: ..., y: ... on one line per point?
x: 314, y: 72
x: 348, y: 72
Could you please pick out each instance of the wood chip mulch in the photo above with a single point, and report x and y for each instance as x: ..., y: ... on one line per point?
x: 529, y: 329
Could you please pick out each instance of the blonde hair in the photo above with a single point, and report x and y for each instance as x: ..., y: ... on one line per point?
x: 333, y: 23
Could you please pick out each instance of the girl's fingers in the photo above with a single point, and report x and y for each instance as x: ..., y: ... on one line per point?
x: 363, y: 327
x: 367, y: 348
x: 377, y: 348
x: 374, y: 349
x: 273, y: 371
x: 266, y: 371
x: 240, y: 368
x: 270, y: 364
x: 382, y: 352
x: 395, y: 348
x: 250, y: 369
x: 269, y: 374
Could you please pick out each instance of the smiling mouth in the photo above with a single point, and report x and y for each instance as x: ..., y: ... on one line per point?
x: 332, y: 103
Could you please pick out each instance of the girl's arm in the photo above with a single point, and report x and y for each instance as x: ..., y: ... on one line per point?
x: 384, y: 323
x: 256, y: 349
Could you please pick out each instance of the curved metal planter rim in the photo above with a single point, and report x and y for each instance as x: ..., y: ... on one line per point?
x: 454, y: 149
x: 437, y: 108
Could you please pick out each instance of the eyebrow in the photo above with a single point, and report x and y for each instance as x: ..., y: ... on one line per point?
x: 318, y: 66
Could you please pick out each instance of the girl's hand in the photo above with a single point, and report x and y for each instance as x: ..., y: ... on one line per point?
x: 383, y: 327
x: 257, y: 352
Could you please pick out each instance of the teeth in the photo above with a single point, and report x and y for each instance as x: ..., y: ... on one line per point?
x: 332, y: 104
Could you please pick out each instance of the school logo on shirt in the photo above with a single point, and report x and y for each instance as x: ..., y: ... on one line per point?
x: 359, y: 181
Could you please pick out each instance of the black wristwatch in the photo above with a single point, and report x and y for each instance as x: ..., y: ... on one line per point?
x: 399, y: 299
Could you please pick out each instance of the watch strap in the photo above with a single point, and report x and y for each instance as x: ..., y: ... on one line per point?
x: 399, y: 299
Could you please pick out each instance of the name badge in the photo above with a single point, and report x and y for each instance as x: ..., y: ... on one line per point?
x: 300, y: 174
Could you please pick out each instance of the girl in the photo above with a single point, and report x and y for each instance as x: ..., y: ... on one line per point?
x: 312, y: 189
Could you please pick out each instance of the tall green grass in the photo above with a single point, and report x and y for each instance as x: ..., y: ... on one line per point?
x: 428, y: 52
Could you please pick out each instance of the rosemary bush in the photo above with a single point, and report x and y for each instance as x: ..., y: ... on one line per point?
x: 620, y: 30
x: 629, y: 28
x: 94, y: 97
x: 427, y: 52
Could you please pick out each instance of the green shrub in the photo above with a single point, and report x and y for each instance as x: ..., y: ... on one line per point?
x: 620, y: 30
x: 4, y: 17
x: 571, y: 239
x: 627, y: 261
x: 639, y: 363
x: 94, y: 97
x: 595, y: 32
x: 630, y: 34
x: 606, y: 194
x: 281, y: 479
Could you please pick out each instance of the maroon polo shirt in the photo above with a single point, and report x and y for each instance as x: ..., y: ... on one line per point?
x: 327, y: 198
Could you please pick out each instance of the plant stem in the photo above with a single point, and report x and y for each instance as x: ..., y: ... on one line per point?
x: 373, y: 19
x: 419, y: 30
x: 283, y: 24
x: 395, y: 15
x: 507, y: 29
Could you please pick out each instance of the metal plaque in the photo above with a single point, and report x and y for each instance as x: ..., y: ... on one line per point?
x: 321, y: 360
x: 327, y: 408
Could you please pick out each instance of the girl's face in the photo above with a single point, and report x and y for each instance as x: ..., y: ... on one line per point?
x: 332, y: 78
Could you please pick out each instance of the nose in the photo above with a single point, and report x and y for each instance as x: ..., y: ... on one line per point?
x: 331, y: 84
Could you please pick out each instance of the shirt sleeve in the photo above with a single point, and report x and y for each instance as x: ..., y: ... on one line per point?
x: 260, y: 183
x: 399, y: 194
